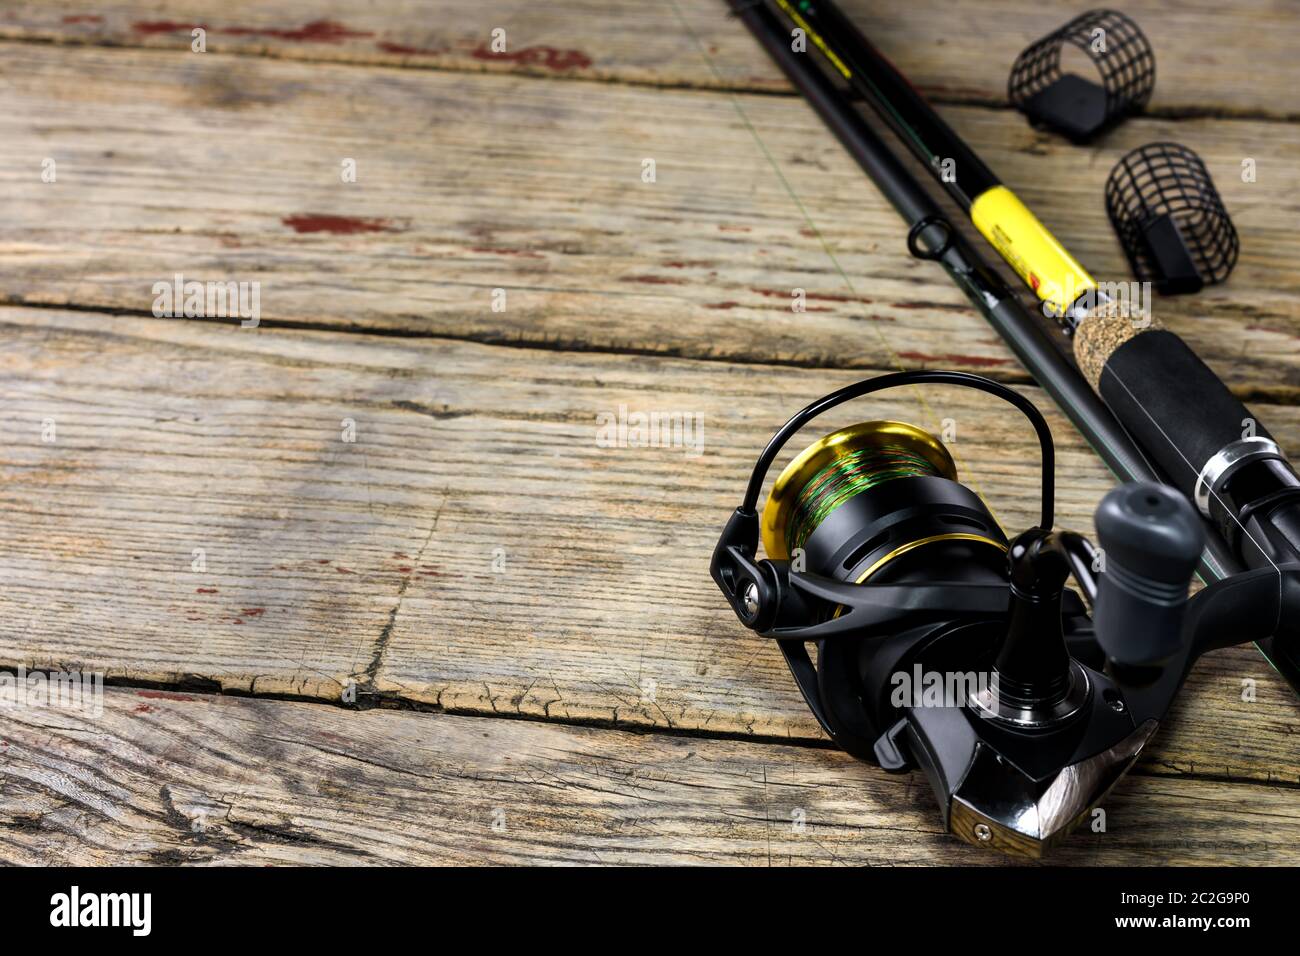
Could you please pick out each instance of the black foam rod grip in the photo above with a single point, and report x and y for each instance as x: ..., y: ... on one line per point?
x: 1173, y: 405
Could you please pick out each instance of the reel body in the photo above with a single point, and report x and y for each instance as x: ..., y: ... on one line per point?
x: 943, y: 646
x: 878, y: 501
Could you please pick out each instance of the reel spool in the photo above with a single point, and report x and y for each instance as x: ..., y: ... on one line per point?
x: 863, y: 497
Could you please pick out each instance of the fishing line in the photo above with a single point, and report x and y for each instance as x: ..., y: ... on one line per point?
x: 835, y: 469
x: 845, y: 477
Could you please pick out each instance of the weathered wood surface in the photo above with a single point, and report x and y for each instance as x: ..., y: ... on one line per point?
x: 468, y: 184
x: 475, y: 548
x: 180, y: 778
x: 1209, y: 58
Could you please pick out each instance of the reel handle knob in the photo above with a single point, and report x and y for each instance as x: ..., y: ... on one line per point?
x: 1151, y: 540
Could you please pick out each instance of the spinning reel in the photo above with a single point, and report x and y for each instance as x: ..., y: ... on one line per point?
x: 943, y: 646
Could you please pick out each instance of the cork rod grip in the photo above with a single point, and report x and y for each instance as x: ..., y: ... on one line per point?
x: 1107, y: 328
x: 1178, y: 410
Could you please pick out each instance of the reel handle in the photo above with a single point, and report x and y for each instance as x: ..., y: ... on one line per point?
x: 1151, y: 540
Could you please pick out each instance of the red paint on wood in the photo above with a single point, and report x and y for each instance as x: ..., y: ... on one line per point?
x: 317, y: 31
x: 403, y: 50
x: 151, y: 27
x: 339, y: 225
x: 976, y: 360
x: 544, y: 56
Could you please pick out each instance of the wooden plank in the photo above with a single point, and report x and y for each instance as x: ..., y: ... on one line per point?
x: 178, y: 778
x: 475, y: 548
x: 955, y: 51
x: 536, y: 189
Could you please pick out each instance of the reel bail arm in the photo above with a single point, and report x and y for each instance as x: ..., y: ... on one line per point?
x: 752, y: 587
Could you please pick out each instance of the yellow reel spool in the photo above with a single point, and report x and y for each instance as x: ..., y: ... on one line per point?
x: 784, y: 497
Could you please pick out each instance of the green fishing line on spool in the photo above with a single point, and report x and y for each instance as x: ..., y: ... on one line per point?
x: 845, y: 477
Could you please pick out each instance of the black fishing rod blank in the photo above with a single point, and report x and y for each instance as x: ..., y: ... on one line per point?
x: 1038, y: 257
x: 932, y: 236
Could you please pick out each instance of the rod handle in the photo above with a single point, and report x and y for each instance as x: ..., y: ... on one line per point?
x: 1175, y: 408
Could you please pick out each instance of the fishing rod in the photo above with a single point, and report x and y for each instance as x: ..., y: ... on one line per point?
x: 1186, y: 422
x: 941, y: 643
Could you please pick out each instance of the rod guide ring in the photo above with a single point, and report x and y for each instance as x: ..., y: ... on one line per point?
x: 933, y: 253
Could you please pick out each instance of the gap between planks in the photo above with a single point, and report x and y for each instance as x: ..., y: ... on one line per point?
x: 175, y: 778
x: 716, y: 84
x: 201, y: 689
x: 1014, y: 376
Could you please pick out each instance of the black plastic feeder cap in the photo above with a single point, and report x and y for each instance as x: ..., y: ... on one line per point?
x: 1080, y: 107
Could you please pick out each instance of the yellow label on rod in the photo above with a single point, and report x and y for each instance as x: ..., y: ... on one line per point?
x: 1037, y: 256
